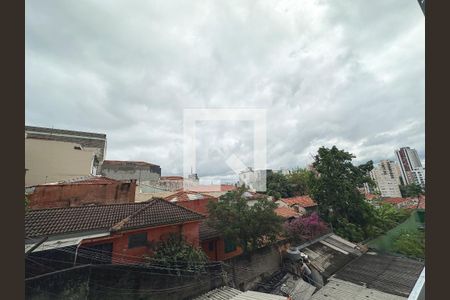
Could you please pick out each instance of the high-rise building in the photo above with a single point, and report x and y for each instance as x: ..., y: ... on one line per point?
x: 409, y: 161
x: 387, y: 177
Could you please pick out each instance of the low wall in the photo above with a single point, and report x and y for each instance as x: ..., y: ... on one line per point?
x: 245, y: 273
x: 122, y: 282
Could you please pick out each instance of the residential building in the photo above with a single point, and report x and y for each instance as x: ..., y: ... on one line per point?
x: 89, y: 141
x: 301, y: 204
x: 286, y: 213
x: 122, y: 233
x: 143, y: 172
x: 419, y: 176
x: 52, y: 161
x: 192, y: 200
x: 255, y: 180
x: 84, y: 191
x: 409, y: 161
x: 212, y: 241
x: 387, y: 178
x: 171, y: 183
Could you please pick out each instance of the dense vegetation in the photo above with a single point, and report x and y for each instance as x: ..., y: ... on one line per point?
x: 411, y: 243
x: 305, y: 228
x: 333, y: 183
x: 411, y: 190
x: 249, y: 227
x: 175, y: 252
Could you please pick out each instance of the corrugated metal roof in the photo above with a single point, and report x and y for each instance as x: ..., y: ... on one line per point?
x: 228, y: 293
x: 387, y: 273
x: 222, y: 293
x: 337, y: 289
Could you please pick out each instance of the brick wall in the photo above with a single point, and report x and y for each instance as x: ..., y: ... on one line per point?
x: 68, y: 195
x: 199, y: 205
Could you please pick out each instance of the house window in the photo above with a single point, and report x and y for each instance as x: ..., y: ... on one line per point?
x: 211, y: 246
x: 137, y: 240
x: 229, y: 246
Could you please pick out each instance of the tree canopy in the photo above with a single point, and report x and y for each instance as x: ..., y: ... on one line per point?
x: 247, y: 226
x: 278, y: 186
x: 411, y: 190
x: 336, y: 187
x: 300, y: 181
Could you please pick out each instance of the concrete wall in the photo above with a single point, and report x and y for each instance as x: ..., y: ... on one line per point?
x: 120, y: 172
x: 69, y: 195
x: 52, y: 161
x: 245, y: 273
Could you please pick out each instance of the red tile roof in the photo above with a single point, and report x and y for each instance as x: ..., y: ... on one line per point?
x: 303, y: 201
x: 187, y: 196
x: 58, y: 221
x: 371, y: 196
x: 171, y: 178
x: 396, y: 200
x: 85, y: 180
x: 286, y: 212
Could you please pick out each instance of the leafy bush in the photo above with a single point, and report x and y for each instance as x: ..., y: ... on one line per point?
x: 410, y: 243
x: 306, y: 228
x: 175, y: 252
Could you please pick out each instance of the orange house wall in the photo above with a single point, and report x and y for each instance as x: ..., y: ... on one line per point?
x: 218, y: 253
x: 121, y: 252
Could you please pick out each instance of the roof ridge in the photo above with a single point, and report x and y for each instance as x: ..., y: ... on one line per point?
x: 185, y: 208
x: 88, y: 206
x: 119, y: 225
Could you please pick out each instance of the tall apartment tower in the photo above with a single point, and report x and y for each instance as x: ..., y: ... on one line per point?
x: 409, y: 162
x: 387, y: 177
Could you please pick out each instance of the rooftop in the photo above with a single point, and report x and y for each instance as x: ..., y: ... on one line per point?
x: 386, y: 273
x: 187, y: 196
x: 286, y: 212
x: 228, y: 293
x: 206, y: 232
x: 126, y: 163
x: 50, y: 131
x: 330, y: 253
x: 59, y: 221
x: 303, y: 201
x: 343, y: 290
x: 84, y: 180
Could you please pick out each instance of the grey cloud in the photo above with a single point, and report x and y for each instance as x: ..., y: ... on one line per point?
x: 343, y: 72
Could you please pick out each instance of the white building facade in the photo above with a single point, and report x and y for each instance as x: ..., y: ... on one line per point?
x: 387, y: 178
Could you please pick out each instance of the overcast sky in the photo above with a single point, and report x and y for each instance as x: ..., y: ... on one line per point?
x: 347, y: 73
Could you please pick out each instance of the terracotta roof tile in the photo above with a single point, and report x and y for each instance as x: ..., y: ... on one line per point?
x: 157, y: 212
x: 286, y: 212
x: 303, y: 201
x: 207, y: 232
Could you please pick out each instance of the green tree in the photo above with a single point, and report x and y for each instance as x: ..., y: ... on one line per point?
x: 335, y: 189
x: 301, y: 181
x: 411, y: 190
x: 278, y: 186
x: 247, y: 226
